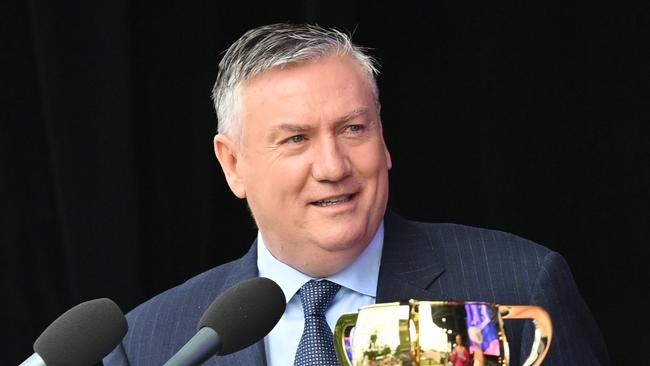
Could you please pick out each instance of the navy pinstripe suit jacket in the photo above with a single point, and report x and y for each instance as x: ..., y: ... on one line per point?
x: 420, y: 261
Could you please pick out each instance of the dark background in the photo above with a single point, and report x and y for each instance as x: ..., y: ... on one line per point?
x: 528, y: 117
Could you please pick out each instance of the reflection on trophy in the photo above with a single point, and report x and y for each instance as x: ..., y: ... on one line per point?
x: 436, y: 333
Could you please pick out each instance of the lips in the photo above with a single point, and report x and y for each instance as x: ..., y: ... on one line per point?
x: 332, y: 200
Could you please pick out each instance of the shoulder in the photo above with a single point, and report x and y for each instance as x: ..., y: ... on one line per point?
x: 163, y: 323
x: 453, y: 236
x: 188, y: 300
x: 494, y: 250
x: 482, y: 263
x: 469, y: 247
x: 201, y: 288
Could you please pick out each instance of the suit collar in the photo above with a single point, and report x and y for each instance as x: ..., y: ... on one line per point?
x: 410, y: 261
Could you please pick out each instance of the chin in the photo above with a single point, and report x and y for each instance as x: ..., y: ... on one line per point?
x: 343, y: 232
x: 342, y: 240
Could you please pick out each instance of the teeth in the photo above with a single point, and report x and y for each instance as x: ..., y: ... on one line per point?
x: 331, y: 202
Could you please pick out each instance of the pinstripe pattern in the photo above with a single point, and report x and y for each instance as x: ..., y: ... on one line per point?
x: 420, y: 261
x: 162, y: 325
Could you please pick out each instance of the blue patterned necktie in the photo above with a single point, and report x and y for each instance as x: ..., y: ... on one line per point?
x: 316, y: 347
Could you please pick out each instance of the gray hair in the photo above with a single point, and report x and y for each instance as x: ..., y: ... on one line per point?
x: 270, y: 46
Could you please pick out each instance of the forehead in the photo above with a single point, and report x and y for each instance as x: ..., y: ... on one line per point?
x: 318, y: 83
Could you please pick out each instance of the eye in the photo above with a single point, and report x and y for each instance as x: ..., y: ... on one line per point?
x: 296, y: 139
x: 354, y: 128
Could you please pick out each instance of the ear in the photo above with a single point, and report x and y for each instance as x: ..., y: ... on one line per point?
x: 227, y: 152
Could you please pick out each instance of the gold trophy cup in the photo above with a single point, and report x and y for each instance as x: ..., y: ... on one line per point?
x: 436, y: 333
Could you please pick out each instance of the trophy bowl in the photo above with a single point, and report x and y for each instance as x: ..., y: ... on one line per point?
x: 436, y: 333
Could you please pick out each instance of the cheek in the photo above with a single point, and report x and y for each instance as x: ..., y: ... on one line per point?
x: 282, y: 182
x: 389, y: 161
x: 372, y: 164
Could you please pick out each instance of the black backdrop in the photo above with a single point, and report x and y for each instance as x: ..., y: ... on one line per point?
x: 525, y: 117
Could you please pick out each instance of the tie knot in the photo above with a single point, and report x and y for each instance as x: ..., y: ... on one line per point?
x: 316, y: 296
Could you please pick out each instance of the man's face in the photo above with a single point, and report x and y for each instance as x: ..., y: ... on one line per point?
x: 312, y: 162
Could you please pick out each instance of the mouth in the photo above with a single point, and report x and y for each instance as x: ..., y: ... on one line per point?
x: 333, y: 200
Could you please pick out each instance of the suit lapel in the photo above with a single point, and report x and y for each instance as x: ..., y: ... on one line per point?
x: 409, y: 262
x: 246, y: 268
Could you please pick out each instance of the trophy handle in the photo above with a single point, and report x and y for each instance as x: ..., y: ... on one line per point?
x: 342, y: 328
x: 543, y: 328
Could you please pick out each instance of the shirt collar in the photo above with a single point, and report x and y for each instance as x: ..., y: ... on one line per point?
x: 360, y: 276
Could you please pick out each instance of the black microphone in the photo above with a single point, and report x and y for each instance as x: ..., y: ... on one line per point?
x: 239, y: 317
x: 81, y: 336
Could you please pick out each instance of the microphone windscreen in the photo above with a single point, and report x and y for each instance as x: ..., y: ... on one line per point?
x: 245, y: 313
x: 83, y: 335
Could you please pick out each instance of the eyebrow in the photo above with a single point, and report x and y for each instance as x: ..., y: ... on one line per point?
x: 353, y: 114
x: 302, y: 128
x: 287, y: 127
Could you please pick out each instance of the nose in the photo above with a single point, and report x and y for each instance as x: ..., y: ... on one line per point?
x: 331, y: 163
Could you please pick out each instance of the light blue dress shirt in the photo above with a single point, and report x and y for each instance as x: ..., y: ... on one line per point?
x: 358, y: 288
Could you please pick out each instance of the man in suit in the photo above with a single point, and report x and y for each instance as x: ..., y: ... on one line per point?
x: 300, y: 138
